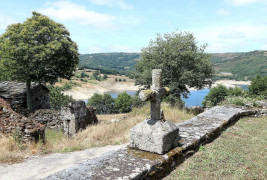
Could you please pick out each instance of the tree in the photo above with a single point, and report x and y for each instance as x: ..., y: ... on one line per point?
x: 183, y: 63
x: 38, y: 50
x: 258, y: 86
x: 57, y: 98
x: 215, y: 96
x: 104, y: 104
x: 123, y: 103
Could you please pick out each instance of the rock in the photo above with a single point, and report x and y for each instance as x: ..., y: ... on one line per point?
x: 154, y: 136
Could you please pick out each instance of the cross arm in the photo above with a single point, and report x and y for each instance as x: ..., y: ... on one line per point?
x: 146, y: 95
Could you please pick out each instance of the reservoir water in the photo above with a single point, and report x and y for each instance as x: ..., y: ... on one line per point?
x: 194, y: 99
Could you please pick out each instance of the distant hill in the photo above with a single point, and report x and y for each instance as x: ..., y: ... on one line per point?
x: 239, y: 66
x: 121, y: 62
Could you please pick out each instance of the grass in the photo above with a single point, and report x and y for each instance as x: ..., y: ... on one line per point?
x: 239, y: 153
x: 102, y: 134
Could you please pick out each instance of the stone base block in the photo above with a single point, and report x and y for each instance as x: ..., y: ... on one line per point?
x: 154, y: 136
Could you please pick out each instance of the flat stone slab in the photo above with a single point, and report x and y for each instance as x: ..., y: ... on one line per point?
x: 128, y: 163
x: 154, y: 136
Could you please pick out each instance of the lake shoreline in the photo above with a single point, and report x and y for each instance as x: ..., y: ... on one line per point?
x: 85, y: 92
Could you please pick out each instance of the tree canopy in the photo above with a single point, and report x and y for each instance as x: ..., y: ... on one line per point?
x: 183, y: 63
x: 38, y: 50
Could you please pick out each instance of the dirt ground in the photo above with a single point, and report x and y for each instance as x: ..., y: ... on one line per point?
x: 42, y: 166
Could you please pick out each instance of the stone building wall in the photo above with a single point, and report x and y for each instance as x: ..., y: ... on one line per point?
x: 15, y: 93
x: 70, y: 119
x: 18, y: 125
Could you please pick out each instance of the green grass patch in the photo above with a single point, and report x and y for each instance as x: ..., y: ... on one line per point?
x: 239, y: 153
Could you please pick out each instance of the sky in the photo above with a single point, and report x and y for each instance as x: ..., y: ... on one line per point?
x: 99, y: 26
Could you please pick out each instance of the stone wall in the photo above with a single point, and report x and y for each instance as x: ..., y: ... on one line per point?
x: 20, y: 126
x: 70, y: 119
x: 16, y: 95
x: 134, y: 164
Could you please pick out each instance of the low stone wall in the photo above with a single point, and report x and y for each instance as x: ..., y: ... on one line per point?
x: 24, y: 128
x: 70, y: 119
x: 128, y: 163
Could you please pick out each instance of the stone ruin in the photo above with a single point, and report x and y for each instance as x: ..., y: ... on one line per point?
x: 70, y: 119
x: 23, y: 128
x: 13, y: 110
x: 16, y: 95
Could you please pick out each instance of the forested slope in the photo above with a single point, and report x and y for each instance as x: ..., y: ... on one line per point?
x: 239, y: 66
x: 242, y: 66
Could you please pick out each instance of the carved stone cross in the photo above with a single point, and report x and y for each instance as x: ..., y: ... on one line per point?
x: 155, y: 94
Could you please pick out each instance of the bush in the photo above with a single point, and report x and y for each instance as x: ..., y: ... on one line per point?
x: 123, y: 103
x: 258, y: 86
x: 215, y: 96
x: 239, y: 101
x: 57, y: 98
x: 237, y: 91
x: 137, y: 103
x: 175, y: 101
x: 104, y: 104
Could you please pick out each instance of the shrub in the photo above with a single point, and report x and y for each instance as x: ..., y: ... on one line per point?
x: 57, y: 98
x: 104, y: 104
x: 258, y: 86
x: 215, y: 96
x: 123, y: 103
x: 237, y: 91
x: 239, y: 101
x: 175, y: 101
x: 137, y: 103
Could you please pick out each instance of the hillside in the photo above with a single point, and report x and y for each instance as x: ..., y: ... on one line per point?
x: 121, y: 62
x: 238, y: 66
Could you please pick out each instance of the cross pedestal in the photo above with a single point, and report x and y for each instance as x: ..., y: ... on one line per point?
x: 155, y: 134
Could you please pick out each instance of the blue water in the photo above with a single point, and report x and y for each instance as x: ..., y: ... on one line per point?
x: 194, y: 99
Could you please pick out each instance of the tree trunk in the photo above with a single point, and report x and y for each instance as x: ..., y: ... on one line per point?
x: 29, y: 96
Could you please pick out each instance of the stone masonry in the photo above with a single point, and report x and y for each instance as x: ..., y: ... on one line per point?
x: 15, y: 94
x: 128, y: 163
x: 70, y: 119
x: 23, y: 128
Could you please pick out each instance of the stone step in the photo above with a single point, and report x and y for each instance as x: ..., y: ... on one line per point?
x: 128, y: 163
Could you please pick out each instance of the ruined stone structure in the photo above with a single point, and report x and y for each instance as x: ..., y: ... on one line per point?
x: 15, y: 94
x: 21, y: 127
x: 70, y: 119
x: 155, y: 134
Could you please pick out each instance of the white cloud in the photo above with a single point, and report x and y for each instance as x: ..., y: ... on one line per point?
x: 5, y: 21
x: 113, y: 3
x: 244, y: 2
x: 222, y: 12
x: 68, y: 11
x: 264, y: 47
x: 231, y: 34
x: 112, y: 48
x: 230, y: 38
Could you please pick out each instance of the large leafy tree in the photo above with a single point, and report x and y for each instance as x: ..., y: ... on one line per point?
x: 38, y: 50
x: 184, y: 64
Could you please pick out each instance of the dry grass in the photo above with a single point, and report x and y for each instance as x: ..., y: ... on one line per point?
x: 104, y: 133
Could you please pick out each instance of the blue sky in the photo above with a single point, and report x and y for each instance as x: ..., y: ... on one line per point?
x: 128, y: 25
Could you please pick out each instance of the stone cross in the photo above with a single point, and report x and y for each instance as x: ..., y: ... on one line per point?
x: 155, y: 94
